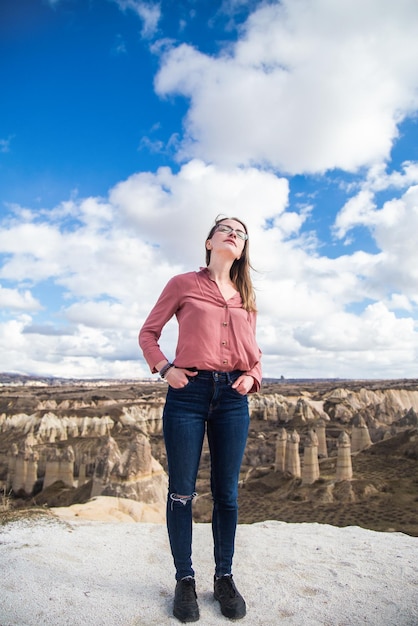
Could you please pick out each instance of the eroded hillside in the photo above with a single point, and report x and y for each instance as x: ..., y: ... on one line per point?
x: 63, y: 444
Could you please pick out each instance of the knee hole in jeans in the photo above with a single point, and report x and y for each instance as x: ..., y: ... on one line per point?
x: 183, y: 500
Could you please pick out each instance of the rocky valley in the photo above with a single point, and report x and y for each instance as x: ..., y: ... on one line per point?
x: 336, y: 452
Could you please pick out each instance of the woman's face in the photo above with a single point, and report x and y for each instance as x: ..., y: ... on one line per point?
x: 229, y: 235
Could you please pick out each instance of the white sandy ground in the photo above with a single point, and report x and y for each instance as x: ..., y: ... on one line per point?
x: 93, y: 573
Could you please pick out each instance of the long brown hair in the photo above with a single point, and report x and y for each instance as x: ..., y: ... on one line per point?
x: 240, y: 269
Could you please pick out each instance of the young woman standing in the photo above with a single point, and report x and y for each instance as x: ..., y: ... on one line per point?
x: 217, y: 364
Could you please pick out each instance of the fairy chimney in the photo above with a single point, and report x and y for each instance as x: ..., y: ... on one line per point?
x: 344, y: 466
x: 31, y: 472
x: 52, y: 467
x: 21, y: 466
x: 360, y: 435
x: 292, y: 454
x: 280, y: 459
x: 310, y: 470
x: 66, y: 467
x: 320, y: 430
x: 11, y: 465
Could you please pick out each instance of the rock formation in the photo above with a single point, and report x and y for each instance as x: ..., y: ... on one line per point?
x: 52, y: 473
x: 24, y: 468
x: 20, y: 470
x: 360, y: 437
x: 11, y: 466
x: 310, y: 470
x: 384, y: 406
x: 82, y: 470
x: 292, y: 454
x: 31, y: 472
x: 344, y: 465
x: 135, y: 474
x: 272, y: 407
x: 280, y: 457
x: 66, y: 467
x: 59, y: 466
x: 107, y: 458
x: 320, y: 430
x: 56, y: 433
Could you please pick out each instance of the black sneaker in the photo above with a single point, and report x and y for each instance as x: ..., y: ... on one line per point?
x: 231, y: 601
x: 185, y: 606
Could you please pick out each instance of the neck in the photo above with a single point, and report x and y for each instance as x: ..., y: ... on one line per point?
x: 219, y: 271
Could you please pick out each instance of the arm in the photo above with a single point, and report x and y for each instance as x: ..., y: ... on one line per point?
x: 250, y: 381
x: 164, y: 309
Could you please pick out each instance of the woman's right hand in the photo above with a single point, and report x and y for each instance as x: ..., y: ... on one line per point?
x: 178, y: 377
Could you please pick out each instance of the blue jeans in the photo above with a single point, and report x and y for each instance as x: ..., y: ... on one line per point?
x: 206, y: 402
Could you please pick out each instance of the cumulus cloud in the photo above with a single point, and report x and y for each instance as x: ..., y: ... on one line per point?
x: 375, y: 344
x: 309, y: 86
x: 394, y: 270
x: 187, y: 203
x: 378, y: 179
x: 18, y: 300
x: 110, y: 257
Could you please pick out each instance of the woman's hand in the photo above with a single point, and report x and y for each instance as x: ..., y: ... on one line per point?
x: 178, y: 377
x: 243, y: 384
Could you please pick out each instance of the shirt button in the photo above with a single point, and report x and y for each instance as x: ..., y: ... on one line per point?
x: 224, y: 362
x: 224, y: 323
x: 224, y: 343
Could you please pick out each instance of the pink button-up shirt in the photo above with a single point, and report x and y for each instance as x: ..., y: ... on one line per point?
x: 214, y: 334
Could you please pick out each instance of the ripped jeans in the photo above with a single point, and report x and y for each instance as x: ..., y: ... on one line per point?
x: 208, y: 402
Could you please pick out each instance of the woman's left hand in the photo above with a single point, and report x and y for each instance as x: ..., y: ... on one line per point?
x: 243, y: 384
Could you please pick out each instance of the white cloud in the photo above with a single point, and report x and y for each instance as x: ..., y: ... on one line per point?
x: 378, y: 179
x: 392, y: 227
x: 18, y: 300
x: 318, y: 316
x: 187, y: 203
x: 311, y: 85
x: 148, y: 12
x: 12, y: 340
x: 375, y: 344
x: 376, y: 329
x: 104, y: 315
x: 358, y: 210
x: 85, y: 353
x: 113, y: 258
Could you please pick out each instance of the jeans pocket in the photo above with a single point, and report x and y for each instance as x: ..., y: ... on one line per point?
x: 186, y: 386
x: 237, y: 393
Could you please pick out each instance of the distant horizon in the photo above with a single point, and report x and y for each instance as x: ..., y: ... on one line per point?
x: 156, y: 379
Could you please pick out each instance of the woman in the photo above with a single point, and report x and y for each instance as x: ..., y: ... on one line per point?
x: 217, y: 364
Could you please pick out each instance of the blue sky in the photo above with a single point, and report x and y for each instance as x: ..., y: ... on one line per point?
x: 127, y: 126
